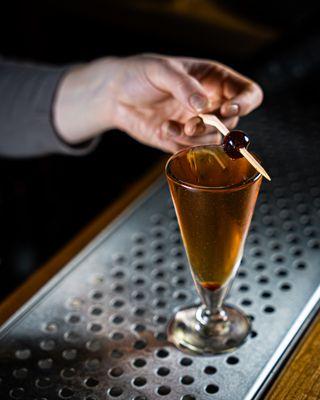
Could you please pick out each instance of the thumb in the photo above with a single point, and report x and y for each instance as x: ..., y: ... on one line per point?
x: 170, y: 77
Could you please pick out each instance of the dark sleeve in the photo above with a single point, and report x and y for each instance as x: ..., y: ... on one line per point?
x: 26, y: 98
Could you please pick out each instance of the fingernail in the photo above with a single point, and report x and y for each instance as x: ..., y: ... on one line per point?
x: 173, y: 130
x: 198, y: 102
x: 232, y: 109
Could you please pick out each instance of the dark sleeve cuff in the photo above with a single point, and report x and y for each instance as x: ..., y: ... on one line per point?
x: 26, y: 126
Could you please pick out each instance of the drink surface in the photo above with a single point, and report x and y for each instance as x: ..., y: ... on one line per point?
x: 214, y: 198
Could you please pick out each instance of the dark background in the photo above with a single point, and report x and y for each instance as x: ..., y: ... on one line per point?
x: 44, y: 202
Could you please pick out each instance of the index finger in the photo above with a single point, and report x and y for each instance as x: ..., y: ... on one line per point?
x: 249, y: 98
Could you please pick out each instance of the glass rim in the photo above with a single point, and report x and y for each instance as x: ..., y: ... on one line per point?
x: 236, y: 186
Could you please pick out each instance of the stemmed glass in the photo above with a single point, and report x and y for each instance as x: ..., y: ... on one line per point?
x: 214, y: 198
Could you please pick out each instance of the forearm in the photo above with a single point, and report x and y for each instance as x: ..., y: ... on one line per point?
x: 26, y: 127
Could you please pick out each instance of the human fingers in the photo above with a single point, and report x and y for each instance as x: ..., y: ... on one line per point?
x: 169, y: 76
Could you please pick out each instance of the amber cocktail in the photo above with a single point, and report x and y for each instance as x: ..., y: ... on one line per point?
x: 214, y: 198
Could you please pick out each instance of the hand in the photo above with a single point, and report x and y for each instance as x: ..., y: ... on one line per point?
x: 155, y: 99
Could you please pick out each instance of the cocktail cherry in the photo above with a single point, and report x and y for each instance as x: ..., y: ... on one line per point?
x: 233, y: 142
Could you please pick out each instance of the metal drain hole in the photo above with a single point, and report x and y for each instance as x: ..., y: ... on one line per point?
x: 282, y: 272
x: 159, y: 288
x: 160, y: 303
x: 116, y: 372
x: 73, y: 318
x: 246, y: 302
x: 140, y: 398
x: 46, y: 363
x: 17, y: 393
x: 157, y: 246
x: 118, y: 274
x: 69, y: 354
x: 232, y: 360
x: 115, y: 353
x: 51, y: 327
x: 158, y: 260
x: 162, y: 353
x: 263, y: 280
x: 243, y: 288
x: 139, y: 312
x: 23, y: 354
x: 139, y: 281
x: 314, y: 244
x: 119, y: 259
x: 160, y: 319
x: 117, y: 303
x: 139, y: 362
x: 188, y: 397
x: 139, y: 328
x: 93, y: 345
x: 66, y: 393
x: 139, y: 381
x: 179, y: 267
x: 163, y: 390
x: 118, y: 288
x: 140, y: 344
x: 43, y: 383
x: 176, y: 252
x: 293, y: 239
x: 285, y: 287
x: 96, y: 295
x: 68, y: 373
x: 91, y: 382
x: 253, y: 334
x: 180, y: 296
x: 117, y: 319
x: 47, y: 345
x: 115, y: 391
x: 179, y: 281
x: 138, y: 296
x: 210, y: 370
x: 161, y: 336
x: 185, y: 361
x: 138, y: 252
x: 266, y: 294
x: 93, y: 363
x: 260, y: 267
x: 159, y: 274
x: 157, y: 233
x: 117, y: 336
x: 156, y: 219
x: 301, y: 265
x: 138, y: 238
x: 139, y: 266
x: 20, y: 373
x: 187, y: 380
x: 269, y: 309
x: 71, y: 336
x: 242, y: 274
x: 212, y: 389
x: 96, y: 311
x: 296, y: 251
x: 75, y: 303
x: 163, y: 371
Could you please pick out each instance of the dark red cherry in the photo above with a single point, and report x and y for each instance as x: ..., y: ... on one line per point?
x: 233, y: 142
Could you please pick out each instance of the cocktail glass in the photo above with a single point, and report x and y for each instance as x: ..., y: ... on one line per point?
x: 214, y: 198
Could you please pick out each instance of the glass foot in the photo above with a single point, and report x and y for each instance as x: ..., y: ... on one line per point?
x: 193, y: 332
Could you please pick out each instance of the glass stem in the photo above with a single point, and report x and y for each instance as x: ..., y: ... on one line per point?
x: 211, y: 311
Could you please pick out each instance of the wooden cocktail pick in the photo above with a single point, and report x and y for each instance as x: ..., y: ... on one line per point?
x: 212, y: 120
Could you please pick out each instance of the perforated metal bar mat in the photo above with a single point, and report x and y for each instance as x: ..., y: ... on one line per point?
x: 97, y: 330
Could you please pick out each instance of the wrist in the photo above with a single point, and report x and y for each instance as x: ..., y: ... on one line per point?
x: 85, y: 100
